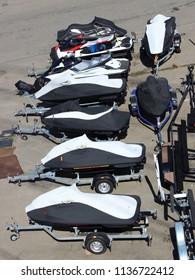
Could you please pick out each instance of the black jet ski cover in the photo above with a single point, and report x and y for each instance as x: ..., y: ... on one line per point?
x: 71, y: 117
x: 81, y: 152
x: 154, y: 96
x: 68, y: 206
x: 169, y: 35
x: 85, y: 89
x: 170, y: 27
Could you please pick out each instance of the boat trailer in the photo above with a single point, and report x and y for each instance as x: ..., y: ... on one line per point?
x: 102, y: 182
x: 184, y: 205
x: 173, y: 166
x: 95, y: 241
x: 37, y: 130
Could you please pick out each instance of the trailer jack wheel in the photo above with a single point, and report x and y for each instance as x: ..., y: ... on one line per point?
x: 24, y: 137
x: 14, y: 237
x: 149, y: 240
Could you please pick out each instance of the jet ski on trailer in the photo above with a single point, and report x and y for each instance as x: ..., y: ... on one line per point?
x: 160, y: 41
x: 94, y: 38
x: 67, y: 67
x: 153, y: 102
x: 68, y: 120
x: 101, y: 164
x: 103, y: 64
x: 90, y: 91
x: 90, y: 81
x: 95, y: 219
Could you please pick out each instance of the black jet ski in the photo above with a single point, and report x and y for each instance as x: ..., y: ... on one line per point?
x: 160, y: 41
x: 102, y: 164
x: 153, y: 102
x: 67, y: 206
x: 94, y: 38
x: 95, y: 219
x: 78, y: 68
x: 69, y: 119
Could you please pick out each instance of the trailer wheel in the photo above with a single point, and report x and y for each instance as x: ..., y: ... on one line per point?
x: 174, y: 100
x: 30, y: 106
x: 24, y: 137
x: 97, y: 243
x: 14, y: 237
x: 133, y: 105
x: 103, y: 186
x: 181, y: 244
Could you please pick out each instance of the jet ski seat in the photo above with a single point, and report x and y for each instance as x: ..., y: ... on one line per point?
x: 94, y: 62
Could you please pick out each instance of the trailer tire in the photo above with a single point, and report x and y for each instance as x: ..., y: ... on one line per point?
x: 177, y: 49
x: 133, y: 105
x: 104, y: 185
x: 14, y: 237
x: 180, y: 239
x: 30, y: 106
x: 24, y: 137
x: 97, y: 243
x: 174, y: 100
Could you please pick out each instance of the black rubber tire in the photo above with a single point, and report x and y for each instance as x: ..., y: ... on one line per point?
x: 103, y: 186
x: 24, y: 137
x: 133, y: 106
x: 177, y: 50
x: 97, y: 243
x: 14, y: 237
